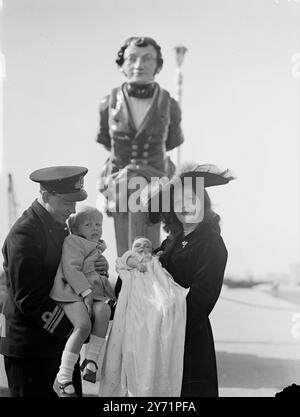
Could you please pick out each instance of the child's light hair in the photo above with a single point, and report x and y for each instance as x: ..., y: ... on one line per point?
x: 84, y: 212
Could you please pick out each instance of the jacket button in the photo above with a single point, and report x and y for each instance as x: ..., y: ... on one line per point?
x: 134, y: 146
x: 146, y: 146
x: 144, y: 161
x: 134, y: 154
x: 145, y: 154
x: 133, y: 161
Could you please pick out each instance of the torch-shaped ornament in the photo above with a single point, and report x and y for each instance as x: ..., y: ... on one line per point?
x: 180, y: 53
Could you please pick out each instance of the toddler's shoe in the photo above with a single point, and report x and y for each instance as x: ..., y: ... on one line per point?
x: 61, y: 391
x: 88, y: 374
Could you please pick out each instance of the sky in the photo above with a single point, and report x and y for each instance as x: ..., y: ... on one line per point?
x: 240, y: 105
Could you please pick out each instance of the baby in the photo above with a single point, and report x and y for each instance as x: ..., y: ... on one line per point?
x: 84, y: 295
x: 144, y: 354
x: 140, y: 254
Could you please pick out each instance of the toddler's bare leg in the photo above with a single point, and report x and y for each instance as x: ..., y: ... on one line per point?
x: 79, y: 317
x: 101, y: 312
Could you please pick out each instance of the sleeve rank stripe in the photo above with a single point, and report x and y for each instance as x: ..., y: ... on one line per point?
x: 56, y: 322
x: 56, y: 316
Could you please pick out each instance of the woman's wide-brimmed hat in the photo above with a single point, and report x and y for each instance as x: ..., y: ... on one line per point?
x: 212, y: 175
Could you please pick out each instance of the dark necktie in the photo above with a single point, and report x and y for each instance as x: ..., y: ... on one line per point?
x: 140, y: 90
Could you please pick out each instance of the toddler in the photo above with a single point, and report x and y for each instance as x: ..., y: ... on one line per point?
x: 84, y: 294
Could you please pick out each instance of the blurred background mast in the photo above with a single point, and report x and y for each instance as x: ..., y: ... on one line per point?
x: 180, y: 51
x: 3, y: 177
x: 12, y: 205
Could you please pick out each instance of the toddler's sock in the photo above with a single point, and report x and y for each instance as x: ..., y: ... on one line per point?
x: 94, y: 349
x: 65, y: 373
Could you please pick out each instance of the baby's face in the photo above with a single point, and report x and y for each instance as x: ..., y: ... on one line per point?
x: 142, y: 246
x: 91, y: 228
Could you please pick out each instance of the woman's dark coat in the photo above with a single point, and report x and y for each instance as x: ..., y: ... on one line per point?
x: 199, y: 265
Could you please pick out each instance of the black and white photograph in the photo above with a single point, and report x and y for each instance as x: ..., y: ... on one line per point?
x: 150, y: 200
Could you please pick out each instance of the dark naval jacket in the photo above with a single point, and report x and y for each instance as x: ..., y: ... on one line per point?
x: 159, y: 132
x: 34, y: 325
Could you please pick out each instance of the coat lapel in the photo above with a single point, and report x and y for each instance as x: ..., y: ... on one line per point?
x: 198, y: 237
x: 122, y: 110
x: 169, y: 249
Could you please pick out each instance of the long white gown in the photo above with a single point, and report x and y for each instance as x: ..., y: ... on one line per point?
x: 144, y: 352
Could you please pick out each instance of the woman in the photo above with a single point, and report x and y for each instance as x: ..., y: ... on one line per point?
x: 196, y: 258
x: 195, y: 255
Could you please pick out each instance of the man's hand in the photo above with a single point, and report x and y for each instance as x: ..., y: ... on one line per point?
x: 88, y: 301
x: 101, y: 264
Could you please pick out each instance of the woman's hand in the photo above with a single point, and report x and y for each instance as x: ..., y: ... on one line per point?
x: 142, y: 267
x: 101, y: 264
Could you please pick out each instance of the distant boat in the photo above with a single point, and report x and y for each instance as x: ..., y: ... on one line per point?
x: 243, y: 283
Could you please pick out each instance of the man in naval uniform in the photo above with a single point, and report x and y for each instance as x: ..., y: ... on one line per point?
x: 139, y: 123
x: 36, y: 329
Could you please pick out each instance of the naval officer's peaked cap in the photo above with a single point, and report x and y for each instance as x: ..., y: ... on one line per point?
x: 65, y: 181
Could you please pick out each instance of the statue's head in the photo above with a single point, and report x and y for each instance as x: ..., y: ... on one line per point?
x: 140, y: 59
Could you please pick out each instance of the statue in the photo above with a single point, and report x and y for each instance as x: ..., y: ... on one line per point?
x: 139, y: 123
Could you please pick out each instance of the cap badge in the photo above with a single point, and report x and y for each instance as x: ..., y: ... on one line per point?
x: 79, y: 184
